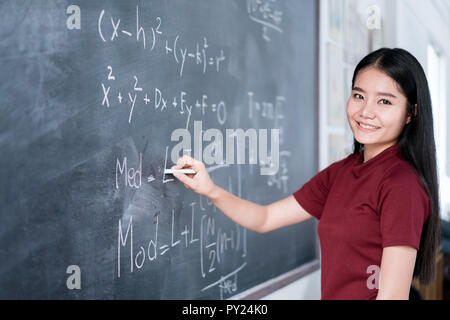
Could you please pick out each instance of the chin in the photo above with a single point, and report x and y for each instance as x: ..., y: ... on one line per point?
x: 365, y: 141
x: 364, y: 138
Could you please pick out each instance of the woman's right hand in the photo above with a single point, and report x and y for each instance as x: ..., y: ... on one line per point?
x: 200, y: 182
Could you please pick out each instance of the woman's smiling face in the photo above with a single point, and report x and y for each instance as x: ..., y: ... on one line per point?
x: 376, y: 109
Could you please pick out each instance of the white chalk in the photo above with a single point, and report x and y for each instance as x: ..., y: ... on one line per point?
x: 171, y: 171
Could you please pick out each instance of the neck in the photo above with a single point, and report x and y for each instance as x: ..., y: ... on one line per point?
x: 372, y: 150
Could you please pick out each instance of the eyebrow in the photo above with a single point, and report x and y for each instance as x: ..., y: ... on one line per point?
x: 387, y: 94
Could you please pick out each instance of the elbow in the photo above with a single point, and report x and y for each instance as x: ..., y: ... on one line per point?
x: 257, y: 228
x: 261, y: 230
x: 392, y: 296
x: 263, y: 227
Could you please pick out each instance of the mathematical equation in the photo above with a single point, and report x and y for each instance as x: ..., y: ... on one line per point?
x: 198, y: 53
x: 156, y: 100
x: 212, y: 241
x: 265, y: 13
x: 131, y: 176
x: 203, y: 234
x: 272, y: 111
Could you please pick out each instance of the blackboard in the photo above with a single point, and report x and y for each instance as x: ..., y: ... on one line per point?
x: 91, y: 93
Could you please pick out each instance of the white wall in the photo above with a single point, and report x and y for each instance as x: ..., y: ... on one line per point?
x: 306, y: 288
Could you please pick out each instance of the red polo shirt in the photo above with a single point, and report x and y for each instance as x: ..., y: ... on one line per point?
x: 362, y: 208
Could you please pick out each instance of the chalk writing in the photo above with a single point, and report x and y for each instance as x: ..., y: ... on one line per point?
x: 132, y: 176
x: 272, y: 111
x: 265, y: 13
x: 158, y: 101
x: 215, y: 243
x: 197, y: 53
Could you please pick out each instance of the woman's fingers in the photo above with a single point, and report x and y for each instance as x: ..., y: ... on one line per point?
x: 189, y: 162
x: 197, y: 165
x: 196, y: 181
x: 184, y: 179
x: 184, y: 161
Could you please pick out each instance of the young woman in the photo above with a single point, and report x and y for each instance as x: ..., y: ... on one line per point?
x: 378, y: 208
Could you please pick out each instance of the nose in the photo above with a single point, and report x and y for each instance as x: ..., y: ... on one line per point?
x: 367, y: 111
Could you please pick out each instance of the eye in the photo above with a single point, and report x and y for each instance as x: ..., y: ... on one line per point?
x: 357, y: 96
x: 385, y: 101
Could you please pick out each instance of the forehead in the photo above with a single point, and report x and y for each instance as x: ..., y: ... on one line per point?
x: 374, y: 80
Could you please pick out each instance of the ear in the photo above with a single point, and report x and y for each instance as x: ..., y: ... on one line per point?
x: 408, y: 119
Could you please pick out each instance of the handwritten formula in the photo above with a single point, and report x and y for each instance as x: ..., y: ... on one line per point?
x: 213, y: 242
x: 198, y: 53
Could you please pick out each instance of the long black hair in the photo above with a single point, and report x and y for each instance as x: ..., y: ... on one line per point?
x: 416, y: 142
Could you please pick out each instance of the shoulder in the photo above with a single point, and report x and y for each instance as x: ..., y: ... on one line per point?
x: 401, y: 173
x: 403, y: 204
x: 402, y: 181
x: 328, y: 175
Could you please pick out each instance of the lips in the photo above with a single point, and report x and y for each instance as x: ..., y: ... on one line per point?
x: 366, y: 126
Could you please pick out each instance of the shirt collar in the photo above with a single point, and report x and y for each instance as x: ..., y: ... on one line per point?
x: 359, y: 169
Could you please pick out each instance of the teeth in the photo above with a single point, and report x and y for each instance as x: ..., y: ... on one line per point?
x: 367, y: 127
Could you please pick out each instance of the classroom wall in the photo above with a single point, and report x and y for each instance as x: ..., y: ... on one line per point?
x: 409, y: 24
x: 306, y: 288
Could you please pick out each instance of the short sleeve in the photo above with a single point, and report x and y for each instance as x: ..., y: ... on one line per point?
x: 403, y: 207
x: 313, y: 195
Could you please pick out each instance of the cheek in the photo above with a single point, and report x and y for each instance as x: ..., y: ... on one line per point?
x: 395, y: 123
x: 350, y: 110
x: 393, y: 115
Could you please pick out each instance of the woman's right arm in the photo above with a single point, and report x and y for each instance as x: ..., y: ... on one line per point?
x: 247, y: 214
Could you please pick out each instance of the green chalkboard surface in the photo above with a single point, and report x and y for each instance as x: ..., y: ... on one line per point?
x: 91, y: 95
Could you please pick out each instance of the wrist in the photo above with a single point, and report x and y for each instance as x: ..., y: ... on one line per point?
x: 214, y: 193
